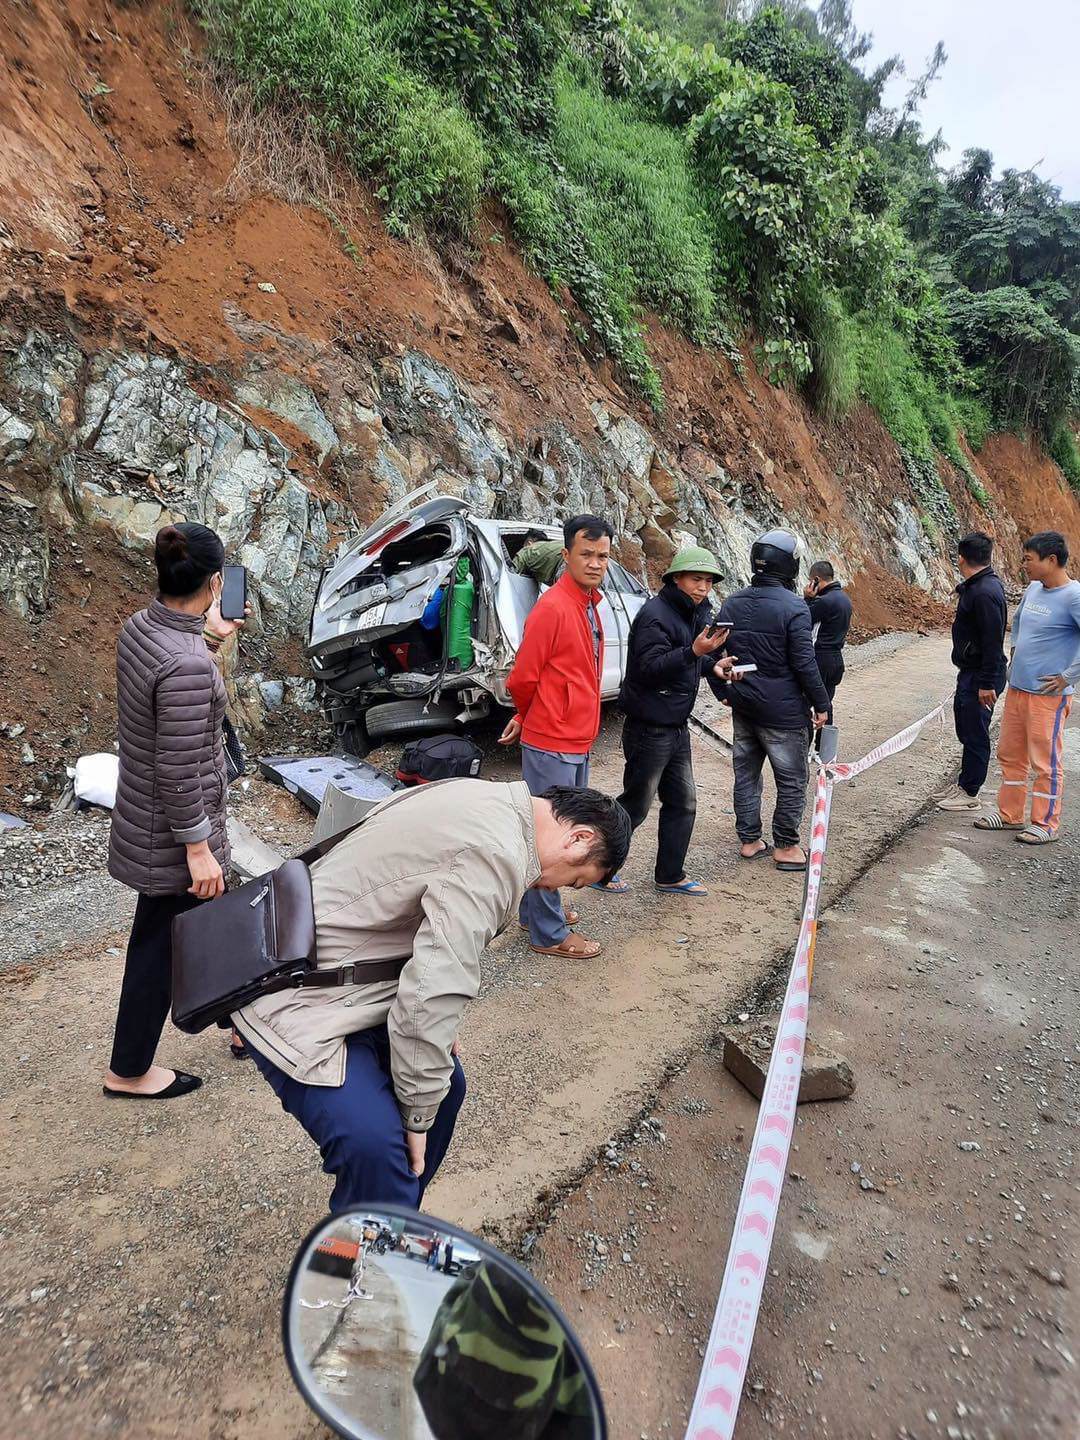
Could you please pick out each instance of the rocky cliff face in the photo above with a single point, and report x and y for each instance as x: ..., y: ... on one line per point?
x: 178, y: 341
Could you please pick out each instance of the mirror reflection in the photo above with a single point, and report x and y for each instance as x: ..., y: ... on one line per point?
x: 402, y: 1329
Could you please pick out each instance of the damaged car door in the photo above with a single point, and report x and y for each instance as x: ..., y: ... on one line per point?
x: 386, y: 577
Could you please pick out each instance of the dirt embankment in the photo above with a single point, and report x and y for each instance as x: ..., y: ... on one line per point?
x: 138, y: 203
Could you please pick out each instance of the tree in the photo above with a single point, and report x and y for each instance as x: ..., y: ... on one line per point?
x: 838, y: 29
x: 918, y: 92
x: 969, y: 182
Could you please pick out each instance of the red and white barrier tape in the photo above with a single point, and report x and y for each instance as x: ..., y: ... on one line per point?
x: 899, y: 742
x: 719, y: 1391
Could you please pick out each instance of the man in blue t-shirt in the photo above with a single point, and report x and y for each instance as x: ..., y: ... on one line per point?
x: 1042, y: 676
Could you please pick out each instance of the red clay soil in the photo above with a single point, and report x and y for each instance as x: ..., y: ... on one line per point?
x: 881, y: 602
x: 57, y: 676
x: 1030, y: 488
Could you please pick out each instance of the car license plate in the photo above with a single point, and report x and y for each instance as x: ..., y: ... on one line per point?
x: 373, y: 618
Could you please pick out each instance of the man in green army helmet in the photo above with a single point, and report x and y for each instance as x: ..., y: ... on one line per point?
x: 499, y: 1363
x: 672, y: 646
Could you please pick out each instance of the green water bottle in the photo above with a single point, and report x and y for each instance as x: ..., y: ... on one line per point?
x: 459, y: 644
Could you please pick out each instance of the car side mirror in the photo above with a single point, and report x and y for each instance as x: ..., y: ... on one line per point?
x: 398, y: 1326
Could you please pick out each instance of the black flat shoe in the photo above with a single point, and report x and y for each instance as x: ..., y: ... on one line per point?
x: 184, y: 1084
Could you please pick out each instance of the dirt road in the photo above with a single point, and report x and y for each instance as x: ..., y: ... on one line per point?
x: 924, y: 1275
x: 146, y: 1248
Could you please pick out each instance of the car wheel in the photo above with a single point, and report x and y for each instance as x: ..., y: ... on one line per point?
x: 408, y: 717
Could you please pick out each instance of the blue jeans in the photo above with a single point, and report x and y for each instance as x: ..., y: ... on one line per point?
x: 357, y: 1125
x: 542, y: 910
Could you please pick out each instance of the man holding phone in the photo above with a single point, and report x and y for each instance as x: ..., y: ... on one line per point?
x: 830, y: 616
x: 673, y: 644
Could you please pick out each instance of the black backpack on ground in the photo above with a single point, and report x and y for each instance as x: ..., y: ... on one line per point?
x: 440, y: 757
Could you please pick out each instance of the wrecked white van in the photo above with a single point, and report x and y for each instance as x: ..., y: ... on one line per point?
x: 382, y: 666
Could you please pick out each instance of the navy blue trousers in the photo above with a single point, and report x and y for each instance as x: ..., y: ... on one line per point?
x: 357, y: 1125
x: 973, y: 731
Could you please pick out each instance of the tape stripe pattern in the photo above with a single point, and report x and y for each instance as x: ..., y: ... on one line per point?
x: 727, y: 1356
x: 716, y: 1403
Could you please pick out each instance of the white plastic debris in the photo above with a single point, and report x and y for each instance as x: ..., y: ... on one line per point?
x: 96, y: 779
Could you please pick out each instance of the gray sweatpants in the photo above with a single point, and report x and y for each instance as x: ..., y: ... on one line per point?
x: 787, y: 751
x: 542, y: 910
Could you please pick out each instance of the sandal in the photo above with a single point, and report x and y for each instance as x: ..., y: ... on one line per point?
x: 1037, y: 835
x: 684, y: 887
x: 574, y: 947
x: 241, y: 1051
x: 182, y: 1084
x: 615, y: 886
x: 570, y: 915
x: 765, y: 850
x: 993, y: 821
x: 791, y: 867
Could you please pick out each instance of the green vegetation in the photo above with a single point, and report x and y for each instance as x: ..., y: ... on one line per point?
x: 382, y: 118
x: 1064, y: 449
x: 735, y: 173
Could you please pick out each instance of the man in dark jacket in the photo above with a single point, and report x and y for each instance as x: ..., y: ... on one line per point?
x: 978, y: 636
x: 773, y: 705
x: 671, y: 648
x: 830, y: 616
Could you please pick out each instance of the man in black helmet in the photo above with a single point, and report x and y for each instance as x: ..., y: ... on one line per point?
x: 777, y: 705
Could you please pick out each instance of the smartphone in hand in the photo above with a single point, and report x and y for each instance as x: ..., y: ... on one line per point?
x: 717, y: 623
x: 233, y: 592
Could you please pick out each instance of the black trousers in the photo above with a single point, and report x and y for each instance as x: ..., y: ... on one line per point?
x: 973, y: 731
x: 830, y: 665
x: 658, y: 764
x: 146, y: 992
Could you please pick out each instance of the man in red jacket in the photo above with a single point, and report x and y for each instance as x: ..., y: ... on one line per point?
x: 555, y: 685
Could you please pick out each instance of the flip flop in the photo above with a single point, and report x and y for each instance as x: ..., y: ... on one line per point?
x: 183, y: 1084
x: 992, y: 821
x: 1036, y: 835
x: 765, y: 850
x: 792, y: 867
x: 615, y: 886
x: 574, y: 947
x: 684, y: 887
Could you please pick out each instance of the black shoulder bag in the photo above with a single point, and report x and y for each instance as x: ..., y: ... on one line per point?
x: 256, y: 940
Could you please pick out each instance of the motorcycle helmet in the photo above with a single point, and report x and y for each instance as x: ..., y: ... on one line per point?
x: 777, y: 553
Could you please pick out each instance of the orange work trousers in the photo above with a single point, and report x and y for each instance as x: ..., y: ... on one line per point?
x: 1031, y: 739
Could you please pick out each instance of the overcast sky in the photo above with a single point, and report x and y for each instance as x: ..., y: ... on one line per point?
x: 1010, y: 84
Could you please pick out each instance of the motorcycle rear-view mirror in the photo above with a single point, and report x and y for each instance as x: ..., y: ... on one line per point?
x: 398, y: 1326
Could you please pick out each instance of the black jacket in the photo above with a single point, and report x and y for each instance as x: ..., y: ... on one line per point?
x: 978, y: 632
x: 771, y: 629
x: 662, y: 671
x: 830, y: 609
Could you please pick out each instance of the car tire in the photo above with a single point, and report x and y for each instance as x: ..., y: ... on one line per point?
x: 408, y: 717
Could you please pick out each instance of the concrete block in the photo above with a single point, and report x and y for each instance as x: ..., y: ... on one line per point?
x: 747, y: 1048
